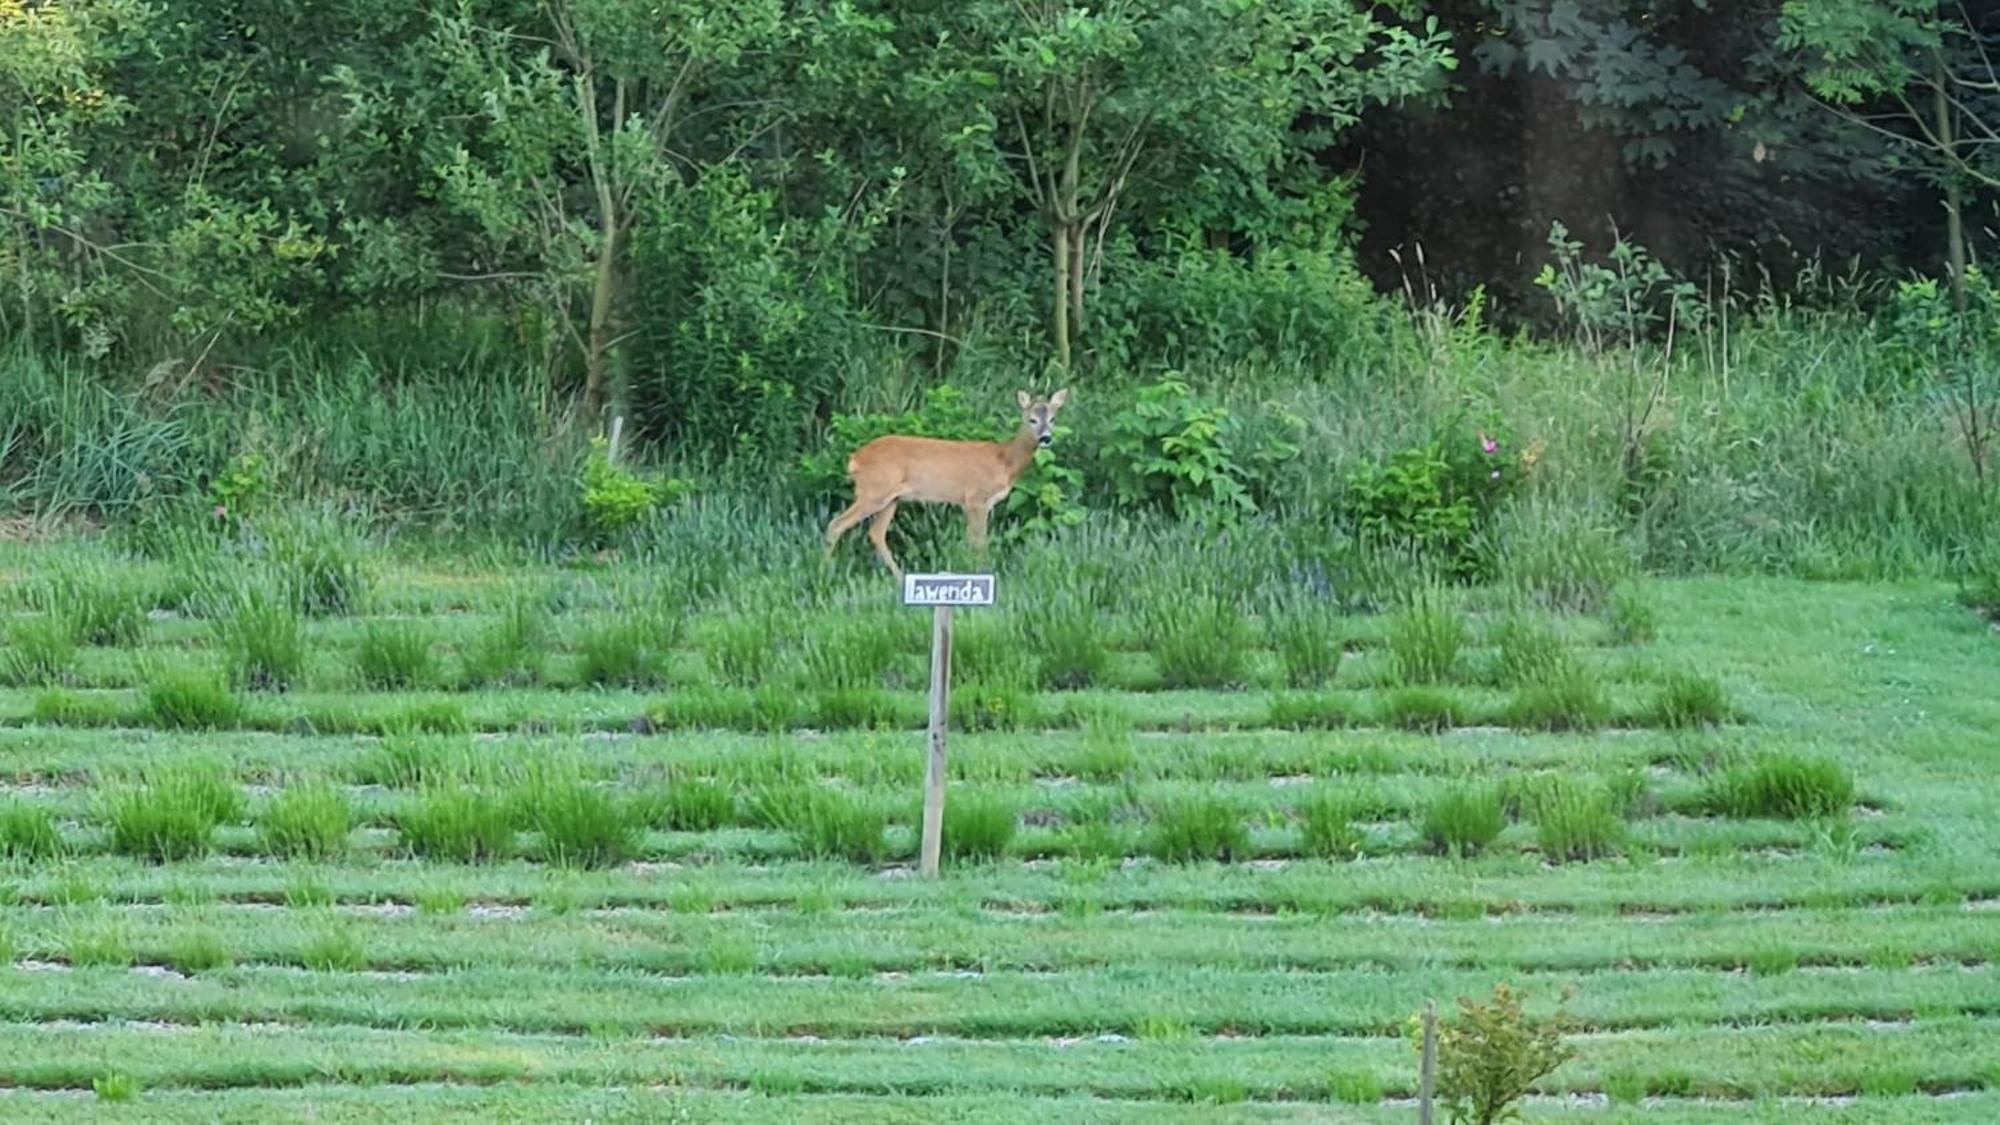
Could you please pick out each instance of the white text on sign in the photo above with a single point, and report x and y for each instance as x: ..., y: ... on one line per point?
x: 947, y: 589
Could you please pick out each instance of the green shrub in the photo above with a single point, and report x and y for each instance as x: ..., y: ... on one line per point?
x: 1566, y: 697
x: 1199, y: 640
x: 97, y: 947
x: 511, y: 650
x: 1065, y: 639
x: 1309, y: 643
x: 1463, y: 821
x: 97, y: 605
x: 40, y: 650
x: 624, y: 654
x: 306, y: 822
x: 1575, y: 822
x: 1782, y: 786
x: 1423, y: 709
x: 319, y: 560
x: 440, y: 902
x: 1979, y: 590
x: 114, y: 1086
x: 1169, y: 451
x: 581, y: 825
x: 1355, y: 1087
x: 687, y: 806
x: 978, y: 826
x: 1425, y: 640
x: 1107, y: 755
x: 1327, y: 826
x: 1435, y: 498
x: 1624, y: 1086
x: 982, y: 707
x: 1196, y: 828
x: 1529, y: 651
x: 262, y: 640
x: 1686, y: 698
x: 395, y: 655
x: 29, y: 832
x: 616, y: 500
x: 185, y: 698
x: 1562, y: 557
x: 456, y: 824
x: 1490, y: 1055
x: 987, y: 652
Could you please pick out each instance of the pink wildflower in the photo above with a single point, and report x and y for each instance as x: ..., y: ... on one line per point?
x: 1488, y: 444
x: 221, y: 511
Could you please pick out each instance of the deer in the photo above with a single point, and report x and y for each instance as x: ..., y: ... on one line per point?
x: 975, y: 475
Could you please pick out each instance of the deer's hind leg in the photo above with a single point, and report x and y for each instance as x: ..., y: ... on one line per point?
x: 878, y: 534
x: 842, y: 523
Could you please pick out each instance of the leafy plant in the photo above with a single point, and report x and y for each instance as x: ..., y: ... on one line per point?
x: 1631, y: 615
x: 1491, y: 1054
x: 690, y: 805
x: 1437, y: 497
x: 825, y: 823
x: 1576, y: 822
x: 1171, y: 452
x: 1567, y: 696
x: 172, y: 814
x: 616, y: 499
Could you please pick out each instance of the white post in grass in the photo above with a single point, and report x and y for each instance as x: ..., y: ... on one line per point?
x: 1427, y: 1077
x: 941, y: 592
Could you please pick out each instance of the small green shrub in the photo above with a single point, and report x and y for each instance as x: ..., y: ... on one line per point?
x: 616, y: 499
x: 1782, y: 786
x: 1425, y: 640
x: 306, y: 822
x: 624, y: 654
x: 824, y: 823
x: 1327, y: 827
x: 1199, y: 640
x: 1624, y: 1086
x: 186, y: 698
x: 1631, y: 616
x: 1193, y: 460
x: 1529, y: 651
x: 198, y: 951
x: 511, y: 650
x: 1979, y: 590
x: 456, y: 824
x: 1565, y: 697
x: 1309, y: 642
x: 1686, y: 698
x: 262, y: 640
x: 1197, y: 828
x: 987, y: 652
x: 114, y: 1086
x: 1492, y: 1054
x: 687, y: 806
x: 1436, y: 498
x: 1562, y: 557
x: 40, y: 651
x: 1424, y: 709
x: 28, y: 831
x: 581, y: 825
x: 978, y: 826
x: 1463, y: 821
x: 395, y: 656
x: 97, y: 947
x: 1575, y: 822
x: 335, y: 950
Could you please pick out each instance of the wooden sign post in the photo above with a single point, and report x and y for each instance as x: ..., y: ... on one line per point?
x: 942, y: 592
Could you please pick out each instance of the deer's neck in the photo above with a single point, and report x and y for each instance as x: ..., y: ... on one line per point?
x: 1019, y: 453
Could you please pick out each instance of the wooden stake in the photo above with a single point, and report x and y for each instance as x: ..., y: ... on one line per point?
x: 1427, y: 1083
x: 934, y: 771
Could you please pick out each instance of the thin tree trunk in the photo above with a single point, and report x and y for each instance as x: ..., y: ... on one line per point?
x: 1059, y: 255
x: 1079, y: 240
x: 1954, y: 193
x: 604, y: 292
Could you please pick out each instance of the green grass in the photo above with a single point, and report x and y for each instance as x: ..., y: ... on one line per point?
x: 308, y: 821
x: 40, y: 651
x: 579, y: 824
x: 1425, y: 640
x: 1786, y: 786
x: 395, y: 655
x: 1686, y: 699
x: 978, y: 826
x: 29, y: 832
x: 171, y: 814
x: 1199, y: 828
x: 190, y: 698
x: 1463, y: 821
x: 262, y: 638
x: 456, y: 823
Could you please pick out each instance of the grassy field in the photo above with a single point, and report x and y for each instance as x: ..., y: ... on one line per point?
x: 527, y: 844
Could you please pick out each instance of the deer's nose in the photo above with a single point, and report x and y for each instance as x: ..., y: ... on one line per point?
x: 1044, y: 439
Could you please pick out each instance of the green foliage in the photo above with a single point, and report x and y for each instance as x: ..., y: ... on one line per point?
x: 623, y: 654
x: 825, y: 823
x: 234, y: 493
x: 1065, y: 639
x: 1575, y: 822
x: 616, y: 499
x: 28, y: 832
x: 1632, y: 618
x: 1425, y: 639
x: 1530, y: 650
x: 1307, y: 636
x: 172, y: 815
x: 337, y: 949
x: 1327, y: 827
x: 581, y: 824
x: 853, y: 652
x: 262, y: 639
x: 741, y: 648
x: 689, y: 805
x: 1491, y: 1054
x: 510, y: 651
x: 40, y: 651
x: 114, y: 1086
x: 1686, y: 698
x: 978, y: 826
x: 453, y: 823
x: 1785, y: 786
x: 1426, y: 709
x: 395, y: 655
x: 307, y: 821
x: 1199, y: 640
x: 1436, y: 498
x: 189, y: 698
x: 1170, y: 452
x: 1195, y: 828
x: 1463, y: 821
x: 198, y: 951
x: 318, y: 559
x: 98, y: 605
x: 1564, y: 696
x: 1619, y: 304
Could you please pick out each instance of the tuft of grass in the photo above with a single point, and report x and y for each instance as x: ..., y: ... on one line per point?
x: 1198, y: 640
x: 1563, y: 557
x: 41, y: 651
x: 1979, y: 591
x: 198, y: 951
x: 395, y: 656
x: 741, y: 650
x: 1631, y: 616
x: 986, y: 652
x: 980, y: 706
x: 1327, y: 827
x: 172, y: 815
x: 1355, y: 1087
x: 1567, y: 696
x: 407, y: 761
x: 1529, y: 650
x: 186, y: 698
x: 1426, y: 709
x: 1782, y: 786
x: 306, y: 822
x: 29, y: 832
x: 440, y: 902
x: 824, y: 823
x: 1686, y: 698
x: 1624, y: 1086
x: 97, y: 605
x: 1463, y: 821
x: 262, y: 639
x: 114, y: 1086
x: 622, y: 654
x: 1425, y: 640
x: 856, y: 708
x: 319, y: 560
x: 850, y: 654
x: 510, y: 651
x: 1309, y: 641
x: 1296, y: 710
x: 334, y: 950
x: 61, y: 707
x: 456, y: 824
x: 1107, y: 755
x: 1576, y: 822
x: 580, y: 824
x: 427, y: 716
x: 686, y: 806
x: 1195, y: 828
x: 1065, y: 637
x: 978, y: 826
x: 98, y: 947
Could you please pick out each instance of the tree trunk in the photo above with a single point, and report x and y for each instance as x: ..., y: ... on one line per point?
x: 1059, y: 254
x: 1954, y: 192
x: 603, y: 304
x: 1079, y: 241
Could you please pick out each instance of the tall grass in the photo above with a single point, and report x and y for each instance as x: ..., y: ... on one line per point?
x: 1307, y: 637
x: 172, y: 814
x: 1425, y: 639
x: 579, y: 824
x: 262, y: 639
x: 1199, y: 640
x: 306, y: 821
x: 40, y: 652
x: 394, y: 655
x: 457, y: 824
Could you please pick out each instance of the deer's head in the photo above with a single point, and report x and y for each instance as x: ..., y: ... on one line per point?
x: 1039, y: 415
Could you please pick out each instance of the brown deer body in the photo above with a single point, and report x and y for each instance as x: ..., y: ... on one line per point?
x: 975, y: 475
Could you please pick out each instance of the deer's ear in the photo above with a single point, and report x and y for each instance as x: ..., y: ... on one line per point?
x: 1057, y: 399
x: 1022, y: 398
